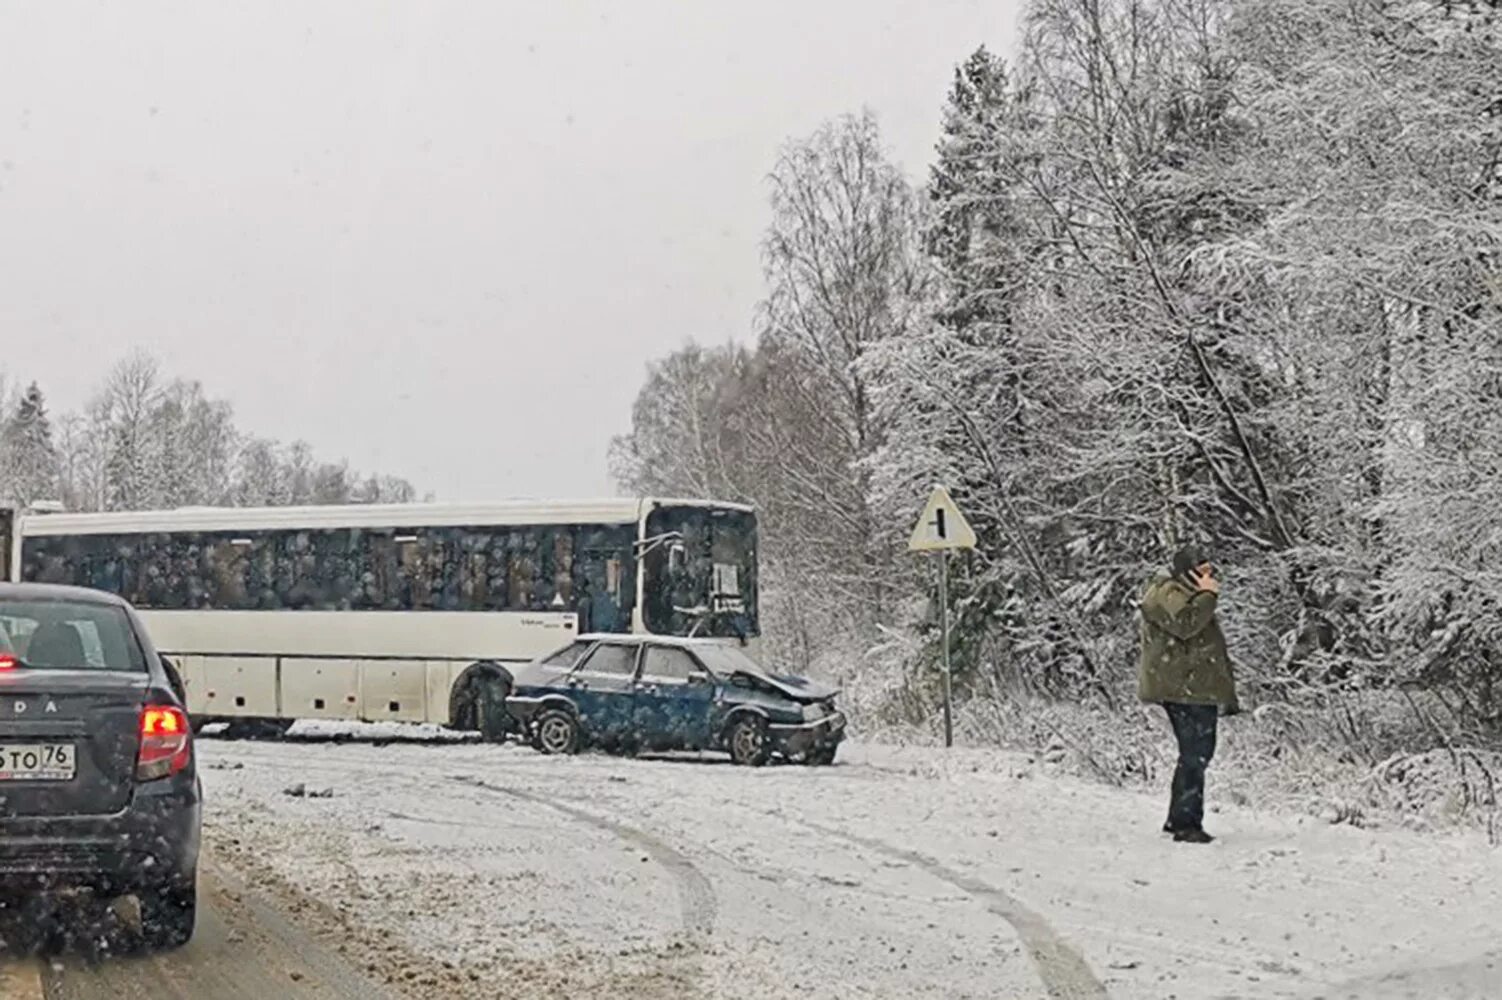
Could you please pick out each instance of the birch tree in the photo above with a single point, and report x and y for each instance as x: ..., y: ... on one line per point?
x: 845, y: 272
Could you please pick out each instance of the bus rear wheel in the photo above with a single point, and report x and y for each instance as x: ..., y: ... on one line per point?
x: 257, y: 729
x: 492, y: 719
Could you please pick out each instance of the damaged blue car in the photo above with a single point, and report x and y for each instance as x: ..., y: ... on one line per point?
x: 631, y: 693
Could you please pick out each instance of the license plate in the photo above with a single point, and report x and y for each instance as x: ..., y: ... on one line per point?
x: 38, y: 761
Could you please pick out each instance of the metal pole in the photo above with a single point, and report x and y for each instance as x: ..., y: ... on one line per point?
x: 944, y: 633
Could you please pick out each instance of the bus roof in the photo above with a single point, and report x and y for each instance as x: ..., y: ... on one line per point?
x: 624, y: 510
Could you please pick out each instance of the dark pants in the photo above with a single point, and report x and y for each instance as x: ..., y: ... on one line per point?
x: 1194, y: 726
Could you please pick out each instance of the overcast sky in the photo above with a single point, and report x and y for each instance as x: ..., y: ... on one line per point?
x: 441, y: 239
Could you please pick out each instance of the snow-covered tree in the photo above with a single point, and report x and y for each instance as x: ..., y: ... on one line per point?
x: 845, y: 273
x: 145, y: 441
x: 28, y: 455
x: 684, y: 437
x: 130, y: 397
x: 260, y: 478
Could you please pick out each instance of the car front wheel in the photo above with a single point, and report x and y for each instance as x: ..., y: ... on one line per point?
x: 557, y: 732
x: 168, y: 914
x: 749, y: 746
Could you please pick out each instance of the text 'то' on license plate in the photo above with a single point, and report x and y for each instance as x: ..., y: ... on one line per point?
x: 37, y: 761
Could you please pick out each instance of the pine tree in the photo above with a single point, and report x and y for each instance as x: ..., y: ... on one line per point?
x: 31, y: 462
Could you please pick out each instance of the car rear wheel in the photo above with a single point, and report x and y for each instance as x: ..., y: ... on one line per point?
x: 168, y: 914
x: 748, y: 741
x: 557, y: 732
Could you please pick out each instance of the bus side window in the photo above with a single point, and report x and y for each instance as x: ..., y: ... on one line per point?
x: 450, y: 568
x: 521, y: 568
x: 224, y: 572
x: 563, y: 567
x: 494, y: 542
x: 339, y: 555
x: 600, y: 580
x: 380, y: 575
x: 474, y: 578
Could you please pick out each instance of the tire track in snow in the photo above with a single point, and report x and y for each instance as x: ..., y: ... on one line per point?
x: 1065, y: 974
x: 1473, y: 980
x: 698, y: 907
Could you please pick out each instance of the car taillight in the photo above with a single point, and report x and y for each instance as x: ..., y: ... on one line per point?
x: 165, y: 746
x: 8, y: 661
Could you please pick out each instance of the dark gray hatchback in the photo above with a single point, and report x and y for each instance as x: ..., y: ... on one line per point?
x: 98, y: 785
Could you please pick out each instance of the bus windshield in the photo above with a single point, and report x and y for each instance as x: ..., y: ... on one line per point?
x: 699, y: 572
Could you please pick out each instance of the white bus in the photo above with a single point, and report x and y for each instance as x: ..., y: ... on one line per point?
x: 385, y: 612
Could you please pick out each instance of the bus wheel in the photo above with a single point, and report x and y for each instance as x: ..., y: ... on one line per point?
x: 557, y: 732
x: 257, y: 729
x: 493, y: 721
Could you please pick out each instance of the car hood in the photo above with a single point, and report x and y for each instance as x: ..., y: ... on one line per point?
x: 797, y: 688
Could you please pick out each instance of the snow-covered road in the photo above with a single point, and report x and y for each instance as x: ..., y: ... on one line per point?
x: 490, y: 871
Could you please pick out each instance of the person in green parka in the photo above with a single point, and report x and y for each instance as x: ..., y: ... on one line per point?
x: 1185, y: 668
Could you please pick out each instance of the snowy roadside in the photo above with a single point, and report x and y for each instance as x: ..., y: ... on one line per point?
x: 1274, y: 759
x: 902, y: 872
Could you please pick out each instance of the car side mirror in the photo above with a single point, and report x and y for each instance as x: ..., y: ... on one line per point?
x: 698, y: 677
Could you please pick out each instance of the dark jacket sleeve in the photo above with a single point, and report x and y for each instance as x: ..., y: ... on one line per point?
x: 1182, y: 617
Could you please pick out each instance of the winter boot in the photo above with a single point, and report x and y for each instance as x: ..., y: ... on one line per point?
x: 1194, y: 835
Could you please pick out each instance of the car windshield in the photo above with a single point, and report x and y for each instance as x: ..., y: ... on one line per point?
x: 69, y: 635
x: 726, y: 660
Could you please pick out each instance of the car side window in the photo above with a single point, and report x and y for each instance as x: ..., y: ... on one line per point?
x: 668, y: 664
x: 612, y: 658
x: 570, y: 655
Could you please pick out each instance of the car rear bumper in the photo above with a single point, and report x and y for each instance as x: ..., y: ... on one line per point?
x: 153, y: 840
x: 797, y: 738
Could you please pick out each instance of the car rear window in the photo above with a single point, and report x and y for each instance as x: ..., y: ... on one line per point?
x: 69, y: 635
x: 569, y: 655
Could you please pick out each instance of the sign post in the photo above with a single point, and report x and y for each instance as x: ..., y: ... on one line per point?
x: 942, y: 527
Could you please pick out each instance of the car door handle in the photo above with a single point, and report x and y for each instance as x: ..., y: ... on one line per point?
x: 649, y: 688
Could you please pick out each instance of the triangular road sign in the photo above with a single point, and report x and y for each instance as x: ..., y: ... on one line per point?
x: 941, y: 526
